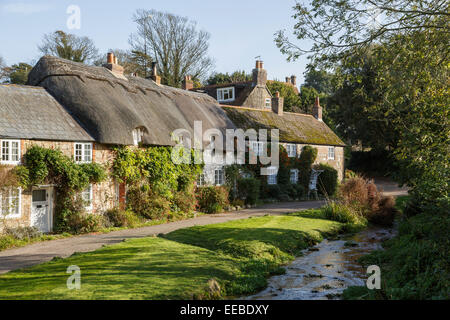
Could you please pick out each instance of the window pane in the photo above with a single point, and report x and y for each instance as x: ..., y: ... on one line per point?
x: 5, y: 150
x: 39, y: 195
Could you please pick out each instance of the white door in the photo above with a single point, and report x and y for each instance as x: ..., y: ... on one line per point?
x: 41, y: 210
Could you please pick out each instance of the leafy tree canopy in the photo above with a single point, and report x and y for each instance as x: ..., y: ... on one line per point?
x: 292, y: 101
x: 222, y: 78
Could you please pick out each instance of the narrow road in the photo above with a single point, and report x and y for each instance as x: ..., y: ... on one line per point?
x: 38, y: 253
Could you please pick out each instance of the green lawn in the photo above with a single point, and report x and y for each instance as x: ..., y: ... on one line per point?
x: 239, y: 255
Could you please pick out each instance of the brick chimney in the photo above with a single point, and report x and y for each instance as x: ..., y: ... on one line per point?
x: 259, y: 74
x: 288, y: 80
x: 278, y: 104
x: 188, y: 84
x: 317, y: 110
x: 112, y: 64
x: 155, y: 77
x: 294, y: 80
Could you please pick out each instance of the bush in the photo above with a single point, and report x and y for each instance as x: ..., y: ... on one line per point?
x: 306, y: 160
x: 23, y: 233
x: 300, y: 191
x: 81, y: 222
x: 144, y: 202
x: 272, y: 191
x: 372, y: 163
x: 328, y: 180
x: 363, y: 196
x: 248, y: 190
x: 119, y: 218
x: 212, y: 199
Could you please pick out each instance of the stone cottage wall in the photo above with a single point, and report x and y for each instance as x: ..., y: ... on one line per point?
x: 104, y: 194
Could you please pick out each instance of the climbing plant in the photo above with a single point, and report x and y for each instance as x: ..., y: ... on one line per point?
x: 49, y: 166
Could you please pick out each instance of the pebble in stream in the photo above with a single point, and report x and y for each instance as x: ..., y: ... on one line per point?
x: 326, y: 271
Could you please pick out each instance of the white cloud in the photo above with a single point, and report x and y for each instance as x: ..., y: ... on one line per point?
x: 24, y: 8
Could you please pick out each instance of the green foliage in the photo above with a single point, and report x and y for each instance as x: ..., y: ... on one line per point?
x: 328, y: 180
x: 18, y: 73
x: 248, y: 190
x: 48, y: 166
x: 305, y: 162
x: 415, y: 264
x: 212, y: 199
x: 308, y: 98
x: 342, y: 213
x: 292, y: 101
x: 224, y: 78
x: 320, y: 80
x: 120, y: 219
x: 157, y: 186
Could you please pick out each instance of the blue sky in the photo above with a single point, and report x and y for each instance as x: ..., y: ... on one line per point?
x: 240, y: 29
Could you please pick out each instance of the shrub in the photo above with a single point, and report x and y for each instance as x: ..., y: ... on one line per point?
x: 328, y: 180
x: 248, y: 190
x: 81, y: 222
x: 272, y: 191
x: 363, y: 196
x: 212, y: 199
x: 119, y: 218
x: 306, y: 160
x: 300, y: 191
x: 147, y: 204
x: 185, y: 202
x: 23, y: 233
x: 289, y: 190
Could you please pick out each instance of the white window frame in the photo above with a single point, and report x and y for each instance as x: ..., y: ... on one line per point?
x: 88, y: 191
x: 268, y: 103
x: 257, y: 147
x: 10, y: 204
x: 294, y: 176
x: 221, y: 94
x: 9, y: 154
x: 291, y: 150
x: 219, y: 176
x: 83, y: 152
x: 331, y: 153
x: 272, y: 178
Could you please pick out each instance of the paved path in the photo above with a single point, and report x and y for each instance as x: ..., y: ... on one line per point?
x: 38, y: 253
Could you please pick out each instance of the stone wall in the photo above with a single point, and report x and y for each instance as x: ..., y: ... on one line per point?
x: 104, y: 194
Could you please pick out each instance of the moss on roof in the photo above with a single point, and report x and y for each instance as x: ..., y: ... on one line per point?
x: 294, y: 127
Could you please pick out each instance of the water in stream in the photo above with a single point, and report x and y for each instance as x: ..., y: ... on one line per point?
x: 326, y: 270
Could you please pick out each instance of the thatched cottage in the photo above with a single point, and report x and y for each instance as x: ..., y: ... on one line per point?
x: 85, y: 111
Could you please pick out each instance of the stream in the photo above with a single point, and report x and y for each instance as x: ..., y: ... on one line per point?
x: 326, y: 270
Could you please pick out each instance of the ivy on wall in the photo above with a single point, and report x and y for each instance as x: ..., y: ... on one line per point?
x: 47, y: 166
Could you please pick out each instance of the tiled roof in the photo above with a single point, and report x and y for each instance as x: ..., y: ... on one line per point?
x: 32, y: 113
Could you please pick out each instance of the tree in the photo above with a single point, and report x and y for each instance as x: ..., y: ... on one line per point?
x: 175, y: 43
x: 404, y: 83
x: 3, y: 70
x: 321, y: 80
x: 69, y: 46
x: 18, y: 73
x: 336, y: 26
x: 308, y: 98
x: 223, y: 78
x: 292, y: 101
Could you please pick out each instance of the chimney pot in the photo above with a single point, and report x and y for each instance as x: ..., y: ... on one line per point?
x: 294, y: 80
x: 288, y: 80
x: 110, y: 58
x: 154, y: 75
x: 259, y: 74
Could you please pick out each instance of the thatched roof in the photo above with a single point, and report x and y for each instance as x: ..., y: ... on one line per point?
x: 32, y: 113
x: 294, y: 127
x: 110, y: 108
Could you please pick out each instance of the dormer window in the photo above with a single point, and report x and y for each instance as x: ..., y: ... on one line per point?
x: 138, y: 133
x: 225, y: 94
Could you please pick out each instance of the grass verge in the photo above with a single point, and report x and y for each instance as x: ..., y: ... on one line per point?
x: 238, y: 255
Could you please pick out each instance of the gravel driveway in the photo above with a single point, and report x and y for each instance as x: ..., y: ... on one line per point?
x: 38, y: 253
